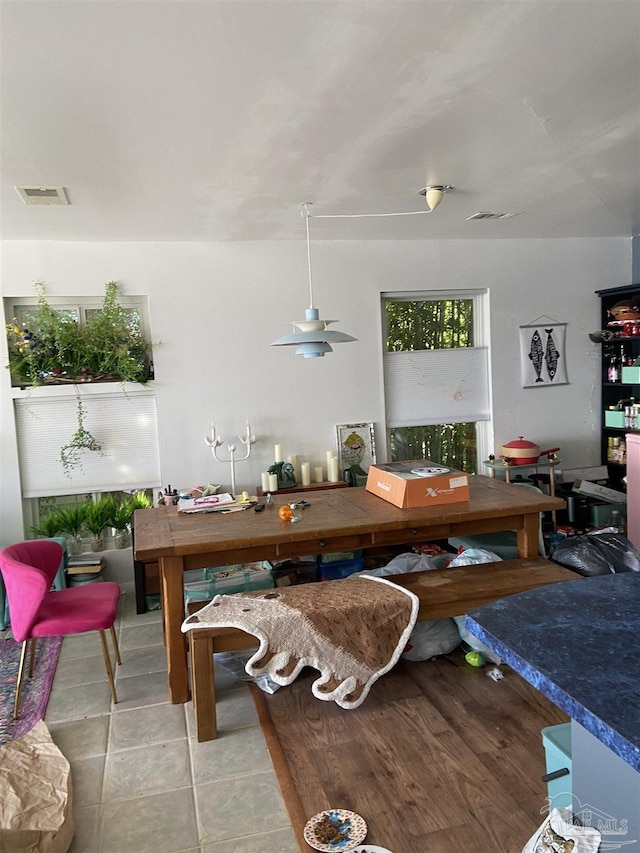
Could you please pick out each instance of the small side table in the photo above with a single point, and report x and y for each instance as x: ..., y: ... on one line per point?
x: 508, y: 469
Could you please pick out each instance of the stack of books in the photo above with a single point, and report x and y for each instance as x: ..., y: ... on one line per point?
x: 85, y: 565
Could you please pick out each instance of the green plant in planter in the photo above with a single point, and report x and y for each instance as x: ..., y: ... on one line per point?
x: 120, y: 520
x: 122, y: 515
x: 55, y: 348
x: 49, y: 526
x: 71, y: 520
x: 80, y: 441
x: 140, y: 500
x: 97, y: 517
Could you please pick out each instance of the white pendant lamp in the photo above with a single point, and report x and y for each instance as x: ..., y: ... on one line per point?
x: 311, y: 337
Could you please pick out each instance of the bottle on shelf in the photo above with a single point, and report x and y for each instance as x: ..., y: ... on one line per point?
x: 626, y: 359
x: 615, y: 451
x: 615, y: 522
x: 613, y: 368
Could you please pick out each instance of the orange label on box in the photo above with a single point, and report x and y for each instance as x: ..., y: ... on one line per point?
x: 417, y: 483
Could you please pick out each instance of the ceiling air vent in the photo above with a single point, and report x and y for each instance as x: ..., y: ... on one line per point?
x: 43, y: 195
x: 486, y: 214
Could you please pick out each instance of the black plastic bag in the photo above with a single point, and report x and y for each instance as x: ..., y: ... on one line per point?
x: 598, y: 554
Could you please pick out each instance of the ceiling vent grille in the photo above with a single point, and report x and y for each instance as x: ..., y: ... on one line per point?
x: 486, y: 214
x: 43, y: 195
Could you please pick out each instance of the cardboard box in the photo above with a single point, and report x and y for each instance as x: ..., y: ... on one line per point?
x: 594, y: 490
x: 593, y: 473
x: 417, y: 482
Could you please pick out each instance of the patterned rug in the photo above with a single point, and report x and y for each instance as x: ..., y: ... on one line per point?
x: 35, y: 690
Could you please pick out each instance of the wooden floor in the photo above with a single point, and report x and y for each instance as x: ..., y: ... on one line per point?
x: 439, y: 758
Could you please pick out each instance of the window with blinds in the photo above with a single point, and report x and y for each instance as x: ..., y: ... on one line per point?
x: 436, y: 377
x: 124, y: 424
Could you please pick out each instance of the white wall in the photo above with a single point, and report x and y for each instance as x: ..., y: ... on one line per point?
x: 216, y: 307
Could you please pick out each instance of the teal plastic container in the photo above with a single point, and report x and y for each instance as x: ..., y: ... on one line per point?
x: 226, y: 580
x: 557, y: 748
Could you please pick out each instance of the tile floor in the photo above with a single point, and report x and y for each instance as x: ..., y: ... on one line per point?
x: 141, y: 781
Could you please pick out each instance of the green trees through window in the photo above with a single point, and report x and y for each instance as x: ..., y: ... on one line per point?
x: 430, y: 324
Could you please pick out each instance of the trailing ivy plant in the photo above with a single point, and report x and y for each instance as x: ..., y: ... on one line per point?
x: 82, y: 440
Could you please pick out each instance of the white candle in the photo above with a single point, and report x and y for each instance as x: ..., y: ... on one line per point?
x: 278, y: 453
x: 265, y: 481
x: 293, y: 460
x: 319, y: 476
x: 248, y: 429
x: 329, y: 454
x: 273, y: 482
x: 333, y: 470
x: 305, y: 471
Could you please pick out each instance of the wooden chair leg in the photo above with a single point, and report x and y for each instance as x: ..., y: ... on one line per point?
x: 32, y: 656
x: 107, y: 663
x: 116, y: 648
x: 23, y: 659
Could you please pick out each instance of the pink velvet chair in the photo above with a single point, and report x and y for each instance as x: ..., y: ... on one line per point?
x: 28, y: 570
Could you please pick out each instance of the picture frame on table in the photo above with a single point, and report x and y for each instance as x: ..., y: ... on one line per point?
x: 356, y: 450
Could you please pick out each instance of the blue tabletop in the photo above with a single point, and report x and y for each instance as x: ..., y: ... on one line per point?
x: 578, y: 643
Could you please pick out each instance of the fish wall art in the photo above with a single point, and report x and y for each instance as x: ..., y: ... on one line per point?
x: 542, y: 354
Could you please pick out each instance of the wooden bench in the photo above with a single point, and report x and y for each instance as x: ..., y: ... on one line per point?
x: 442, y: 593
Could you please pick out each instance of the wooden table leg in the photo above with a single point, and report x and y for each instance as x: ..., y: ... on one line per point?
x: 529, y: 536
x: 203, y: 685
x: 171, y: 571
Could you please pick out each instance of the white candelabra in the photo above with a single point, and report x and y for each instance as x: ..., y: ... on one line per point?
x: 214, y: 443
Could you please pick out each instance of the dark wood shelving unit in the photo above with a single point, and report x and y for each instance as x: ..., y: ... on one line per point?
x: 612, y: 392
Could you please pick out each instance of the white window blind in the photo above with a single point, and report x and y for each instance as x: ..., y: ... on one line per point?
x: 437, y: 386
x: 125, y: 424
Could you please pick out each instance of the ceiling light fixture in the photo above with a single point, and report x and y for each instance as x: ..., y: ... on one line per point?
x: 433, y: 194
x: 311, y: 336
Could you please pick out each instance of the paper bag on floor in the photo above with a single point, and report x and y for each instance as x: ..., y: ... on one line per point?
x: 36, y: 813
x: 556, y: 835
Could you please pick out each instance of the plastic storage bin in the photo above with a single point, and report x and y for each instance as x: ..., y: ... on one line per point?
x: 614, y: 418
x: 599, y: 514
x: 226, y: 580
x: 340, y: 569
x: 557, y: 748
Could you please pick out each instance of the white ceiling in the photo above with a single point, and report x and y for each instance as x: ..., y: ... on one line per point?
x: 215, y: 120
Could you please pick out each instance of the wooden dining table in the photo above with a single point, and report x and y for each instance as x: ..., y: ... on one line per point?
x: 334, y: 520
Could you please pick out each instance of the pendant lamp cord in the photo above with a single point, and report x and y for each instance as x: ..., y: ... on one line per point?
x: 306, y: 215
x: 365, y: 215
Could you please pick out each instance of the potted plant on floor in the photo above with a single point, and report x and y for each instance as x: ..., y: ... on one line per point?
x: 97, y: 517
